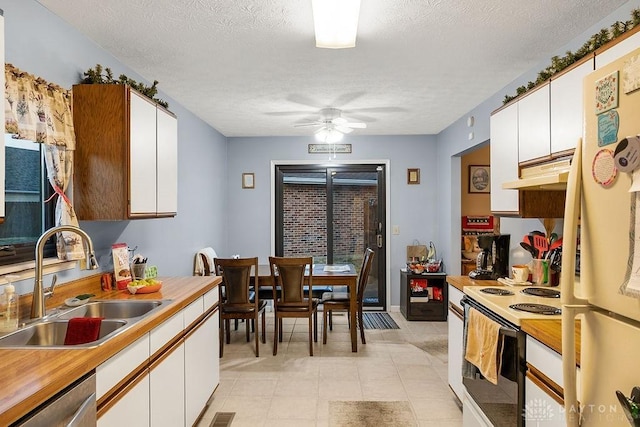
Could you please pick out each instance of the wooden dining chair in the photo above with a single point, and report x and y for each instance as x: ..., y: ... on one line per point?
x: 289, y: 273
x: 237, y: 299
x: 339, y: 301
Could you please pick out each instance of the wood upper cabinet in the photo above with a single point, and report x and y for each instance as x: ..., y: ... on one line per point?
x: 504, y: 159
x: 126, y: 155
x: 534, y: 136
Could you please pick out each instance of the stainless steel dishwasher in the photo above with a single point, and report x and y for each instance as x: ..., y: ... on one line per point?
x: 75, y: 406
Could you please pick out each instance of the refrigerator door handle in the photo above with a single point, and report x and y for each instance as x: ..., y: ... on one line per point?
x: 569, y: 313
x: 569, y: 238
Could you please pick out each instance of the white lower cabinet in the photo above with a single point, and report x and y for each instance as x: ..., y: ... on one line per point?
x: 202, y: 367
x: 167, y: 389
x: 540, y: 408
x: 111, y: 372
x: 132, y: 410
x: 174, y: 382
x: 455, y: 325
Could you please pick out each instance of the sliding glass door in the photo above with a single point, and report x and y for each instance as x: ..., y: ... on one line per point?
x: 333, y: 214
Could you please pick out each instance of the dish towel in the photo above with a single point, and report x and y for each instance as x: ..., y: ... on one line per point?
x: 81, y: 330
x: 210, y: 255
x: 484, y: 345
x: 469, y: 370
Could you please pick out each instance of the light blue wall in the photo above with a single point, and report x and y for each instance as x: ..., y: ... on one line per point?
x: 453, y: 142
x: 40, y: 43
x: 212, y: 208
x: 412, y: 207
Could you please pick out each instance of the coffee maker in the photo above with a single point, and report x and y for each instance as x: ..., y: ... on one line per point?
x: 493, y: 262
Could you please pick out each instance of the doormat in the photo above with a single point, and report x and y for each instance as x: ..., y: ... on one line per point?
x: 371, y: 413
x: 222, y: 419
x: 378, y: 321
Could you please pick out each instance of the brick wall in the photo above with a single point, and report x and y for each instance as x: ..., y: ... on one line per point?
x: 305, y: 221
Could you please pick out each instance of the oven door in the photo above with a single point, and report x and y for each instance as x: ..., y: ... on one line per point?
x: 502, y: 404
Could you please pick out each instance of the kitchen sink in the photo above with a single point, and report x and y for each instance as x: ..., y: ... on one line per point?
x: 52, y: 334
x: 117, y: 316
x: 119, y: 309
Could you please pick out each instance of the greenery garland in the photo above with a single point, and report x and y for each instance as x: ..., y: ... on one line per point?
x: 95, y: 76
x: 595, y: 42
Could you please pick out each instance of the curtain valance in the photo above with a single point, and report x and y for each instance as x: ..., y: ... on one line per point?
x: 37, y: 110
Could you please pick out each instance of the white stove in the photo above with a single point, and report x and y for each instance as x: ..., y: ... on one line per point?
x: 499, y: 303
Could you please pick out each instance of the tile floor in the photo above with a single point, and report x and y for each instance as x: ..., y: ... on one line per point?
x: 293, y: 389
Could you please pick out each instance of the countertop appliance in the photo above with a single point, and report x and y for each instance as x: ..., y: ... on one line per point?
x: 504, y: 404
x: 606, y: 294
x: 493, y: 261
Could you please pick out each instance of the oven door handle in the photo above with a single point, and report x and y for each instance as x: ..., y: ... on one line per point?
x: 508, y: 332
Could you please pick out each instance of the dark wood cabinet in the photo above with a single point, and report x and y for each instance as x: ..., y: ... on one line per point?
x: 424, y: 296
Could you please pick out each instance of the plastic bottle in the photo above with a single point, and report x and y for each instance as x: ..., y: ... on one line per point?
x: 9, y: 309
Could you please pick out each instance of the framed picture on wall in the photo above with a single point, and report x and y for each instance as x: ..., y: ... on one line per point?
x: 413, y: 176
x: 479, y: 179
x: 248, y: 180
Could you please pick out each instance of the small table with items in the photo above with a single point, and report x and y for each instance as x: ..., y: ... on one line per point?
x: 423, y: 296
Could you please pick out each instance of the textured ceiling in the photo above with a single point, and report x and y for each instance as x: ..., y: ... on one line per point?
x: 251, y: 68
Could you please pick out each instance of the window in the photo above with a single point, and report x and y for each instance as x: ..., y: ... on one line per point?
x: 26, y: 214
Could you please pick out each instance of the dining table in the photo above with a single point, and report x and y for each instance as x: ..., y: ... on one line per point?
x: 329, y: 275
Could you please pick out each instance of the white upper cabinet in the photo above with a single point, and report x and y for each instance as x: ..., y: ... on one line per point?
x: 566, y: 107
x: 3, y: 120
x: 167, y: 162
x: 142, y: 155
x: 534, y: 136
x: 617, y: 50
x: 504, y: 158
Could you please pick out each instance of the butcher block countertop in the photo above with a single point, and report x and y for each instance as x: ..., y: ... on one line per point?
x: 460, y: 282
x: 548, y: 332
x: 28, y: 377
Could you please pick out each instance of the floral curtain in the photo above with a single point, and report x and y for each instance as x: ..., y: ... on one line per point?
x: 41, y: 112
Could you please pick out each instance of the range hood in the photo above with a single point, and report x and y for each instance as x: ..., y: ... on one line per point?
x: 549, y: 176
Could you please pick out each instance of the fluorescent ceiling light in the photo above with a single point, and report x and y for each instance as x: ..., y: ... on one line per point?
x: 336, y: 22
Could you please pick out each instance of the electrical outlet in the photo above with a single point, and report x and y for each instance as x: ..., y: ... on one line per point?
x: 395, y: 229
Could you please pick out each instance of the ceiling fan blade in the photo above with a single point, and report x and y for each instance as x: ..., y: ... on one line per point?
x: 303, y: 100
x: 288, y: 113
x: 297, y: 125
x: 356, y: 125
x: 343, y: 129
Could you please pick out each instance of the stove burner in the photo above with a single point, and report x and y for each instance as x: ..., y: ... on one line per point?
x: 541, y: 292
x: 536, y: 308
x: 496, y: 291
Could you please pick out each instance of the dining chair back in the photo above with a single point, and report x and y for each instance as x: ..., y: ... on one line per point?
x: 340, y: 301
x: 290, y: 273
x: 237, y: 298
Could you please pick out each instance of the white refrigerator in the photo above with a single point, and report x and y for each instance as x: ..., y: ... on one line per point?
x: 603, y: 203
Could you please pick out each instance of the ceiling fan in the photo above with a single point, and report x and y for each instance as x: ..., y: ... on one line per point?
x: 332, y: 126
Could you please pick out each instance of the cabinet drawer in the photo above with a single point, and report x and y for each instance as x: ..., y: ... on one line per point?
x: 546, y: 360
x: 119, y: 366
x: 455, y: 296
x: 428, y: 310
x: 211, y: 298
x: 164, y: 333
x: 193, y: 311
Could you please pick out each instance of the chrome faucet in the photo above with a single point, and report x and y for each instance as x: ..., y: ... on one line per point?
x: 37, y: 304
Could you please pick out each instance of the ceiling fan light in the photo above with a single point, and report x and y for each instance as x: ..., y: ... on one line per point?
x: 334, y: 136
x: 336, y: 23
x: 321, y: 134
